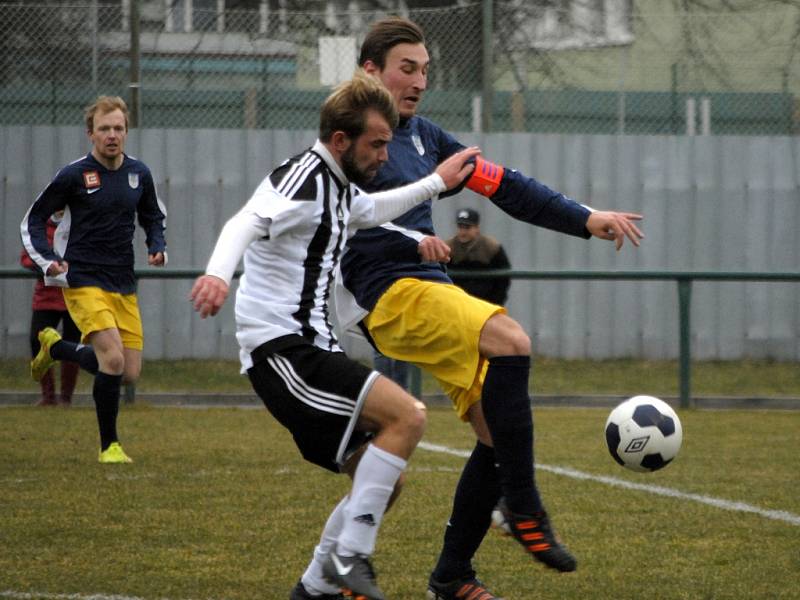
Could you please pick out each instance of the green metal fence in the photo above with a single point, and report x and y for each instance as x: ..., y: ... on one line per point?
x: 684, y: 280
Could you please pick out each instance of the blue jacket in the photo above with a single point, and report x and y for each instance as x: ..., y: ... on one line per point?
x: 378, y: 257
x: 96, y: 234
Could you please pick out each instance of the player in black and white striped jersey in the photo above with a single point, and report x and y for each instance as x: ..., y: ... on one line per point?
x: 344, y: 417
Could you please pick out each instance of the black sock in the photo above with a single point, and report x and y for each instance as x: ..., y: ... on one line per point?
x: 83, y: 355
x: 476, y: 495
x: 507, y: 409
x: 106, y: 401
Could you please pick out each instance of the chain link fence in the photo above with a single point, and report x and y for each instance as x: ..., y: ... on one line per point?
x: 557, y: 66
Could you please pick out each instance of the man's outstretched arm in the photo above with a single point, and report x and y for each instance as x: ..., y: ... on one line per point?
x: 528, y: 200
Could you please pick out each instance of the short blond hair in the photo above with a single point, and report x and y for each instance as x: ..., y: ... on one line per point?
x: 103, y: 105
x: 346, y: 108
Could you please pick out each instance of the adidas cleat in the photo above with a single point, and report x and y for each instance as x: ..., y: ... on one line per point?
x: 353, y: 573
x: 536, y: 536
x: 42, y: 362
x: 465, y: 588
x: 114, y: 454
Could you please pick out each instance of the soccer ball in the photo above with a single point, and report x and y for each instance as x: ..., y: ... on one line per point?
x: 643, y: 433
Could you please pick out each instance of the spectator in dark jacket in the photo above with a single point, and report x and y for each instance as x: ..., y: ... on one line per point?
x: 470, y: 250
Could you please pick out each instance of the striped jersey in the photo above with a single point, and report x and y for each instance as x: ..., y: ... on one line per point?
x: 309, y: 210
x: 95, y: 236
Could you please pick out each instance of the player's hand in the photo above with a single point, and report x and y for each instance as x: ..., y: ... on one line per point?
x: 433, y: 249
x: 156, y: 260
x: 57, y: 267
x: 453, y: 171
x: 610, y: 225
x: 208, y: 295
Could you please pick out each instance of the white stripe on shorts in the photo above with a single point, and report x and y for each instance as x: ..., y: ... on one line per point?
x: 341, y: 456
x: 318, y: 399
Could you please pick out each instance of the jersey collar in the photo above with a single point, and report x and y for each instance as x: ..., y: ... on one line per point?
x: 325, y: 154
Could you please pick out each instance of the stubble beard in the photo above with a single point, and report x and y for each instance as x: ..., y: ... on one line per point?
x: 351, y: 170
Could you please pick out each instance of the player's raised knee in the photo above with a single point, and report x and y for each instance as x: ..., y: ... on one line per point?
x: 417, y: 419
x: 503, y: 336
x: 112, y: 362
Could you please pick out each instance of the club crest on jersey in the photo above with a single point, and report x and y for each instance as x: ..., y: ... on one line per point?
x: 91, y: 179
x: 133, y: 180
x: 418, y: 144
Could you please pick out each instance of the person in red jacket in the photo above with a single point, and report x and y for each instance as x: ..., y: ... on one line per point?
x: 48, y: 311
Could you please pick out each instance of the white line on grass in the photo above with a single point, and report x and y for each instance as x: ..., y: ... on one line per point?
x: 43, y: 596
x: 777, y: 515
x: 14, y: 595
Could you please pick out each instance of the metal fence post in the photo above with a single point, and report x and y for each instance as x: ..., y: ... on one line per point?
x: 135, y: 114
x: 488, y: 65
x: 684, y: 316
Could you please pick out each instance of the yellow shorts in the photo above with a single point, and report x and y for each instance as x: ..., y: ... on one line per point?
x: 436, y: 326
x: 94, y: 309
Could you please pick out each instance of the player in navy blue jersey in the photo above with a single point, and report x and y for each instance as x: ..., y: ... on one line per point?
x: 92, y: 259
x: 394, y: 284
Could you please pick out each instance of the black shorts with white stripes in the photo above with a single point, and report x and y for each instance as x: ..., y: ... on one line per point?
x: 316, y: 394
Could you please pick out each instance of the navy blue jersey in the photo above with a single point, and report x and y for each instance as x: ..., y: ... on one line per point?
x: 378, y: 257
x: 100, y: 209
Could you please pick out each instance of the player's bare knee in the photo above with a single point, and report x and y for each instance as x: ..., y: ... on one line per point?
x: 418, y: 419
x: 112, y: 363
x: 410, y: 423
x: 520, y: 342
x: 503, y: 336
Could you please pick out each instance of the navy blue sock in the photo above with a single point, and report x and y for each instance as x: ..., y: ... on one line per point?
x: 106, y: 401
x: 476, y: 495
x: 507, y: 409
x: 83, y: 355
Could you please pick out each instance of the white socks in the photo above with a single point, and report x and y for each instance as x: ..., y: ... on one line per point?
x: 373, y: 484
x: 352, y: 527
x: 313, y: 580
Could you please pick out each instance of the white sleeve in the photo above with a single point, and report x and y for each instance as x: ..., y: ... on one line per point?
x: 239, y: 232
x: 390, y: 204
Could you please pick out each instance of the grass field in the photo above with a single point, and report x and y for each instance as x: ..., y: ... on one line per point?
x: 219, y: 505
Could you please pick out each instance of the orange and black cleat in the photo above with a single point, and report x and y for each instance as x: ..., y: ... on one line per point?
x: 464, y: 588
x: 536, y: 536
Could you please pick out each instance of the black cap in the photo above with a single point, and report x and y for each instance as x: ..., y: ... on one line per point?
x: 467, y: 216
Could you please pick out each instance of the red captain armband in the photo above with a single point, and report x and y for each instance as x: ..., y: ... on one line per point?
x: 486, y: 177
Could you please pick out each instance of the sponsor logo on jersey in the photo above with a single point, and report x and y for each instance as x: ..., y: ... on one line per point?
x: 133, y: 180
x: 418, y: 144
x: 91, y: 179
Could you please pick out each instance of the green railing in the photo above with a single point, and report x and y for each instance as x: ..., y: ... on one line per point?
x: 684, y: 279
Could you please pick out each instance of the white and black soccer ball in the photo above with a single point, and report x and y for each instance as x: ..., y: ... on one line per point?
x: 643, y: 433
